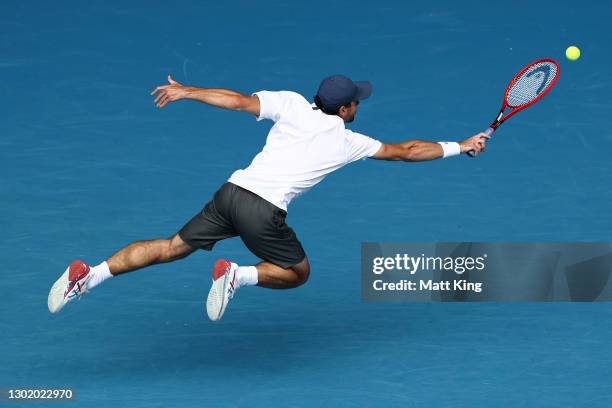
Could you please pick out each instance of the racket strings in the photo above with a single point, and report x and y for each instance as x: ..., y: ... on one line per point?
x: 532, y: 83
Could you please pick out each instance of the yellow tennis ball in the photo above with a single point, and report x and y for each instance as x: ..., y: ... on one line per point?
x: 572, y: 53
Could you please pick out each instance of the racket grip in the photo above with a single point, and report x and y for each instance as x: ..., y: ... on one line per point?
x: 487, y: 132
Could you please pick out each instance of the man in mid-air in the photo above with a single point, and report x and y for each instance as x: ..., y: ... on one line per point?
x: 307, y: 142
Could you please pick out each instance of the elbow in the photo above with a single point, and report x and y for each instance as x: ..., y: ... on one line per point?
x: 237, y: 103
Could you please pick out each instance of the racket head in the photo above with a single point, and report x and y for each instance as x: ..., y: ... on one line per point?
x: 531, y: 84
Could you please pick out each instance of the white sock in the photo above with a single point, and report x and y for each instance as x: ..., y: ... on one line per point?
x: 98, y: 274
x: 246, y: 275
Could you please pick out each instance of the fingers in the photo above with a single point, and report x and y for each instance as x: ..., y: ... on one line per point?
x: 159, y: 88
x: 159, y: 97
x: 479, y: 142
x: 162, y: 98
x: 166, y: 93
x: 163, y: 101
x: 477, y: 146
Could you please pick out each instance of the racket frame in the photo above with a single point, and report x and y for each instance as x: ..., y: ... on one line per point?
x: 501, y: 116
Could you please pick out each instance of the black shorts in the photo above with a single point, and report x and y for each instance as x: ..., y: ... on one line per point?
x: 234, y: 211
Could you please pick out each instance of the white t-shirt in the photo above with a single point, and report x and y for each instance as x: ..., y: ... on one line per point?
x: 303, y: 146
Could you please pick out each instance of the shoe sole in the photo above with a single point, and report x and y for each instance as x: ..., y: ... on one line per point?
x: 216, y: 303
x: 56, y: 300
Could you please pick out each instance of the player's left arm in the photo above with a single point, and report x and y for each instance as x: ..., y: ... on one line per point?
x: 422, y: 150
x: 218, y: 97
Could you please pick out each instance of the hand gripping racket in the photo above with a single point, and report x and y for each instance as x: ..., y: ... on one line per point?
x: 526, y: 88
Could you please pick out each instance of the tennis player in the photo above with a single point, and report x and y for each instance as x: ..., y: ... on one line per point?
x: 306, y: 143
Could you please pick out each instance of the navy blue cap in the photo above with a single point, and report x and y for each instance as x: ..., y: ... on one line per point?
x: 337, y: 90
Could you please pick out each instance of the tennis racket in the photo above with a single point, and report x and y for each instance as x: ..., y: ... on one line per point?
x: 526, y: 88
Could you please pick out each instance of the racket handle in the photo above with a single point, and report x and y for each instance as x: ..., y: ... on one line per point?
x: 487, y: 132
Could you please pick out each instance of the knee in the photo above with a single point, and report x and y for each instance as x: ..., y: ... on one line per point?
x: 167, y: 251
x: 302, y: 270
x: 174, y: 248
x: 302, y: 278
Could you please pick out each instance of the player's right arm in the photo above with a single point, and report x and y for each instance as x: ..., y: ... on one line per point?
x: 220, y: 98
x: 422, y: 150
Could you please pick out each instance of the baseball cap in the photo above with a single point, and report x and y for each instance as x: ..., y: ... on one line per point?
x: 338, y: 90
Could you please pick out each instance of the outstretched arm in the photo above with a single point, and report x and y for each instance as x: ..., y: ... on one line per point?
x: 221, y: 98
x: 421, y: 150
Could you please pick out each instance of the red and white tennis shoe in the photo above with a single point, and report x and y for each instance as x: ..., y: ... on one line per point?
x: 224, y: 286
x: 72, y: 284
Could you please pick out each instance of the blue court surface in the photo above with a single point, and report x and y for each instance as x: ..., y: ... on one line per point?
x: 89, y: 164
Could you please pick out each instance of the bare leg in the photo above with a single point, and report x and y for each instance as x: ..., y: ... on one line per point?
x: 275, y: 277
x: 144, y: 253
